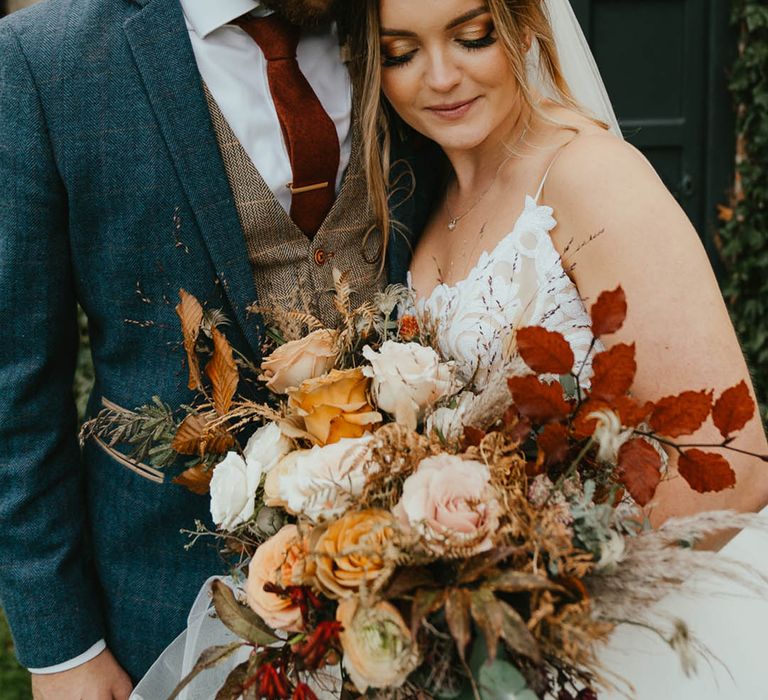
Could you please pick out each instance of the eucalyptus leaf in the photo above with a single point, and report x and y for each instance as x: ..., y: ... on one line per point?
x: 500, y: 680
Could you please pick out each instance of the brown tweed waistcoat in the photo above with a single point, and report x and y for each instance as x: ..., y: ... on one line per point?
x: 290, y: 270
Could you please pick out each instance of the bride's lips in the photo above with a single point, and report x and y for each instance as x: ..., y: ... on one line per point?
x: 452, y: 111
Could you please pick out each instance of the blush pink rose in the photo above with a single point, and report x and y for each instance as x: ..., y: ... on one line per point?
x: 450, y: 502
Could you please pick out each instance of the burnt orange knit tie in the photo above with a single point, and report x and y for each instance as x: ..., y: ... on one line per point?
x: 309, y: 133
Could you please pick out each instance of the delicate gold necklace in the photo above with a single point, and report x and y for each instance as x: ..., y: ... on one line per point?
x: 453, y: 221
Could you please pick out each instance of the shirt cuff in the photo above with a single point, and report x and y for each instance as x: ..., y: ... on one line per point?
x: 83, y: 658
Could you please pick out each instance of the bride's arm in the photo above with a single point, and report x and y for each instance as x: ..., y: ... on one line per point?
x: 677, y: 317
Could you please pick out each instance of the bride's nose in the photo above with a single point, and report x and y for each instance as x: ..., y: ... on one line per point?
x: 442, y: 74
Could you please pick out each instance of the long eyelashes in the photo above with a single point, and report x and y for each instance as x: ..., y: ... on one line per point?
x: 396, y: 61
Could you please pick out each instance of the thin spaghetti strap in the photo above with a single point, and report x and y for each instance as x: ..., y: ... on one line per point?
x: 551, y: 163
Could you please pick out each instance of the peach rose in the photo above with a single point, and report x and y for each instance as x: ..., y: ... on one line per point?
x: 450, y: 501
x: 280, y: 561
x: 334, y: 406
x: 355, y: 550
x: 299, y: 360
x: 379, y: 651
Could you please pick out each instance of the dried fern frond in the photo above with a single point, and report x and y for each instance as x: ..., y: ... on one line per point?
x: 292, y: 325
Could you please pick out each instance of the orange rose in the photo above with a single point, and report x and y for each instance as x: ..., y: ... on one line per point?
x: 334, y: 406
x: 353, y: 551
x: 280, y: 560
x: 379, y: 651
x: 299, y: 360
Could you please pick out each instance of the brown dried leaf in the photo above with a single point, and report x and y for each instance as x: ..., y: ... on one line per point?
x: 538, y: 400
x: 194, y: 436
x: 457, y: 606
x: 511, y: 581
x: 480, y: 565
x: 706, y: 472
x: 733, y: 410
x: 608, y: 312
x: 407, y: 579
x: 489, y: 617
x: 425, y: 602
x: 545, y: 352
x: 517, y: 635
x: 222, y: 371
x: 614, y: 371
x: 190, y: 313
x: 196, y: 479
x: 239, y: 618
x: 639, y: 469
x: 683, y: 414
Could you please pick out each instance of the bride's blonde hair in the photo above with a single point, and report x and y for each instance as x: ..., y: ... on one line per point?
x: 518, y: 23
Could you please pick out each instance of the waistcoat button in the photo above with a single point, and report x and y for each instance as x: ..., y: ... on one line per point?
x: 320, y: 257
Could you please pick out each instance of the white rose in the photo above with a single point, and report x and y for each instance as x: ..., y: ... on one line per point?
x: 449, y: 422
x: 267, y: 446
x: 322, y: 482
x: 233, y: 490
x: 474, y: 329
x: 407, y: 378
x: 608, y: 435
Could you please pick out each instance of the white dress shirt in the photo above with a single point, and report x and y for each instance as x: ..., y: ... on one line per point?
x: 234, y: 68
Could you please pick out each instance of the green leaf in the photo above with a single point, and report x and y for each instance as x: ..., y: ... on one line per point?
x: 233, y: 686
x: 516, y: 633
x: 489, y: 616
x: 208, y: 659
x: 239, y: 618
x: 457, y: 606
x: 502, y: 681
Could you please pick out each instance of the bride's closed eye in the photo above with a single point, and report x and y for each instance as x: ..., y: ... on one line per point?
x: 472, y: 38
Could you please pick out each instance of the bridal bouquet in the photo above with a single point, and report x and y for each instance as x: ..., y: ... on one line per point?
x: 410, y: 532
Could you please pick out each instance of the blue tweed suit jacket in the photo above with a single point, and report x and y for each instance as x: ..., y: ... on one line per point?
x: 113, y: 195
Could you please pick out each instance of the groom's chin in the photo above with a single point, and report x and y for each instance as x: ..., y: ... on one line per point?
x: 305, y: 13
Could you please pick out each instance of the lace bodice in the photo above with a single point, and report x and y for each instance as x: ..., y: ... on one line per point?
x: 520, y: 282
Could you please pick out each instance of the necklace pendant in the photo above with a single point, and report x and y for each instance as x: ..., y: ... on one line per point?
x: 452, y: 224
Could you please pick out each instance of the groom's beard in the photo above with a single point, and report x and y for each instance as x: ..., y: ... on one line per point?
x: 305, y: 13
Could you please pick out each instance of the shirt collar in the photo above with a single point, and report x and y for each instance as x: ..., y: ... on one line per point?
x: 205, y: 16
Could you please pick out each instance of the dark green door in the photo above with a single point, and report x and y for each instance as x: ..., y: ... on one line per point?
x: 664, y: 64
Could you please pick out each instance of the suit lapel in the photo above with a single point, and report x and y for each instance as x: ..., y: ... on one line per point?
x: 159, y: 41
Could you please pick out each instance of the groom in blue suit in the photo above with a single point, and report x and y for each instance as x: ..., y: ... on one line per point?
x: 134, y: 142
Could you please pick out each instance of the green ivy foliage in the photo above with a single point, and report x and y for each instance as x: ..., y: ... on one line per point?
x: 745, y: 237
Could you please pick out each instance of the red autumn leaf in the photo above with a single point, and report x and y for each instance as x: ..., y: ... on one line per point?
x: 553, y: 442
x: 683, y: 414
x: 473, y: 436
x: 706, y: 472
x: 537, y: 400
x: 639, y: 469
x: 733, y: 410
x: 515, y: 426
x: 608, y: 312
x: 614, y: 371
x: 631, y: 412
x: 583, y: 426
x: 545, y: 352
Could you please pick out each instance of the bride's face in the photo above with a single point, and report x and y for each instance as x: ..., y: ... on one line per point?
x: 445, y: 72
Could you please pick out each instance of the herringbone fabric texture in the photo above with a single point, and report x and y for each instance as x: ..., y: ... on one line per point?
x: 291, y: 271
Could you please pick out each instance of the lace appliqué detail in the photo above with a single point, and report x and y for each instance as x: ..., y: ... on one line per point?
x: 520, y: 282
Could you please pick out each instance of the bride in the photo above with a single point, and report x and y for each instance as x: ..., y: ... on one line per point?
x: 544, y: 206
